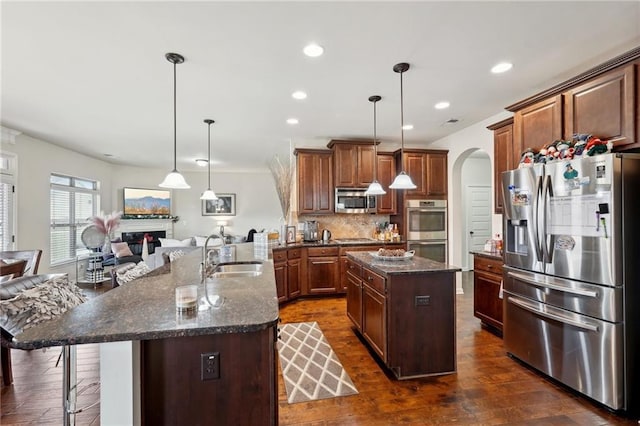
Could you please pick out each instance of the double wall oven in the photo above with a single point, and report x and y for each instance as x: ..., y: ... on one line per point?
x: 427, y: 228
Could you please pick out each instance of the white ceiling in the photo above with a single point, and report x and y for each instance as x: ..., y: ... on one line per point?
x: 92, y: 76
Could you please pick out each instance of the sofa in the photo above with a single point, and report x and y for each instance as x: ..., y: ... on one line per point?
x: 127, y: 271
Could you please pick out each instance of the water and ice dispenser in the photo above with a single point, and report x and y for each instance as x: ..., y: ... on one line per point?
x: 516, y: 236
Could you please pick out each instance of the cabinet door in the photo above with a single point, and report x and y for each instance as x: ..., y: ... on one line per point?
x: 294, y: 271
x: 345, y: 158
x: 322, y: 274
x: 364, y: 165
x: 315, y: 182
x: 537, y: 125
x: 415, y: 167
x: 387, y: 204
x: 374, y: 320
x: 502, y: 160
x: 603, y: 107
x: 344, y: 268
x: 354, y: 300
x: 280, y: 270
x: 487, y: 304
x: 436, y: 175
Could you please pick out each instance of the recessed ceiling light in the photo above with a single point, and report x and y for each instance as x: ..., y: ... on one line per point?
x: 407, y: 127
x: 299, y: 94
x: 108, y: 155
x: 451, y: 121
x: 292, y: 121
x: 442, y: 105
x: 201, y: 162
x: 501, y: 67
x: 313, y: 50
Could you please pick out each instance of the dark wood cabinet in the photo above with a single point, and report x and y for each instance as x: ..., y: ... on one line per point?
x: 537, y: 125
x: 387, y: 203
x: 294, y: 273
x: 504, y: 153
x: 173, y: 391
x: 487, y: 304
x: 323, y: 269
x: 428, y: 171
x: 408, y: 320
x: 346, y: 265
x: 315, y: 181
x: 280, y: 270
x: 374, y: 312
x: 604, y: 107
x: 353, y: 163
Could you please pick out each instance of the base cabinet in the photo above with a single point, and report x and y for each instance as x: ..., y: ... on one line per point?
x: 487, y: 304
x: 173, y: 392
x: 408, y: 320
x: 323, y: 269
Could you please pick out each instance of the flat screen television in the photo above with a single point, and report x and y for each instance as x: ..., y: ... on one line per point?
x: 140, y: 202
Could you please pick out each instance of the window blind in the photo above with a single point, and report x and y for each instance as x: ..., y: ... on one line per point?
x: 73, y: 201
x: 7, y: 197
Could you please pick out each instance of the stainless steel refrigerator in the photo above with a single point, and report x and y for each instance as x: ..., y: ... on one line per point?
x: 571, y: 277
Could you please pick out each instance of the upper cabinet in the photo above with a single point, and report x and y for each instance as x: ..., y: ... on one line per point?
x: 315, y: 181
x: 603, y: 101
x: 353, y: 163
x: 428, y: 171
x: 505, y: 156
x: 604, y: 107
x: 538, y: 124
x: 387, y: 203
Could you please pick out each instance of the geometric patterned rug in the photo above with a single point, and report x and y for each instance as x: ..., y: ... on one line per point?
x: 310, y: 368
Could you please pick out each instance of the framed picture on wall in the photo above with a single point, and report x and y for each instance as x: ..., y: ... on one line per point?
x: 225, y: 205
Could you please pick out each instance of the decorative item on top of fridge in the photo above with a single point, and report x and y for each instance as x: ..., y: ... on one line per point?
x: 580, y: 144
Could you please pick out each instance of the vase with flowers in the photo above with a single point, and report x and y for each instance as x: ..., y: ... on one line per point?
x: 106, y: 224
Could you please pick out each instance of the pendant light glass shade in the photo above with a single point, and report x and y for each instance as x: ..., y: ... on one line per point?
x: 209, y: 194
x: 375, y: 188
x: 403, y: 180
x: 174, y: 179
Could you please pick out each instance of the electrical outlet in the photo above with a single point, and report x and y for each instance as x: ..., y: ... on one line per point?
x: 210, y: 366
x: 423, y: 300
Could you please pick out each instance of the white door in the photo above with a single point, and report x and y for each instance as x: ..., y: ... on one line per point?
x: 478, y: 220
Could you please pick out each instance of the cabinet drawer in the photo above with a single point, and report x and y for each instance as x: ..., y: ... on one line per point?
x: 374, y: 280
x: 279, y: 256
x: 294, y: 253
x: 323, y: 251
x: 354, y: 268
x: 493, y: 266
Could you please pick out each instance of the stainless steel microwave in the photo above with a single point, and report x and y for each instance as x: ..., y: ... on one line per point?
x: 354, y: 200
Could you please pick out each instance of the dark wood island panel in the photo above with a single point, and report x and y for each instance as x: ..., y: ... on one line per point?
x: 173, y: 391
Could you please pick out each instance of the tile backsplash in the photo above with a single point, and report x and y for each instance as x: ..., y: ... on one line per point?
x: 347, y: 225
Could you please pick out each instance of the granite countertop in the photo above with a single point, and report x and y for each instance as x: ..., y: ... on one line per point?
x: 144, y: 309
x: 338, y: 242
x: 488, y: 254
x: 415, y: 265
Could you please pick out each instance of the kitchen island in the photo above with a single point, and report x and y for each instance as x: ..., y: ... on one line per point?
x: 154, y: 361
x: 405, y: 312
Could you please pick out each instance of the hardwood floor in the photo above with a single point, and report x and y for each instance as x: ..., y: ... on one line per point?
x: 488, y: 388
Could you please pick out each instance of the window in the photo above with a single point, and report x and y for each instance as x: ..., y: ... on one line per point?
x: 7, y: 194
x: 73, y: 201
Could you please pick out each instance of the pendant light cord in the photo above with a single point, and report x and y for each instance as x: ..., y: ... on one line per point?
x: 401, y: 123
x: 375, y: 145
x: 175, y: 131
x: 209, y: 156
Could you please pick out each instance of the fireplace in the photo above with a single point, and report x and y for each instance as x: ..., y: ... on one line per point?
x: 135, y: 239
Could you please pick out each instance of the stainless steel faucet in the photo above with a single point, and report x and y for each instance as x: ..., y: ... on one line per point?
x: 205, y: 255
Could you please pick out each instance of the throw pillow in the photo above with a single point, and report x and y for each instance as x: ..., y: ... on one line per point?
x: 5, y: 278
x: 121, y: 249
x: 169, y: 242
x: 40, y: 303
x: 130, y: 274
x: 175, y: 254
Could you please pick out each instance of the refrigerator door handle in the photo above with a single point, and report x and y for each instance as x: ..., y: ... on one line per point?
x: 536, y: 220
x: 559, y: 318
x: 535, y: 283
x: 547, y: 193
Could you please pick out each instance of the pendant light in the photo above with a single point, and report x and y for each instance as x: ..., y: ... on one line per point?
x: 209, y: 194
x: 403, y: 180
x: 375, y: 188
x: 174, y: 180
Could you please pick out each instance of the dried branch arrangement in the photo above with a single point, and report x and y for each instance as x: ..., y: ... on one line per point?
x: 106, y: 224
x: 283, y: 176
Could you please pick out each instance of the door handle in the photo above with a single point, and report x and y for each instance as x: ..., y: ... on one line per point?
x: 578, y: 292
x: 554, y: 317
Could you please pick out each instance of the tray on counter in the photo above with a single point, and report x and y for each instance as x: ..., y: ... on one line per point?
x: 407, y: 255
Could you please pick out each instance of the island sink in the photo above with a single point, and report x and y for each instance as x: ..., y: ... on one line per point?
x: 237, y: 270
